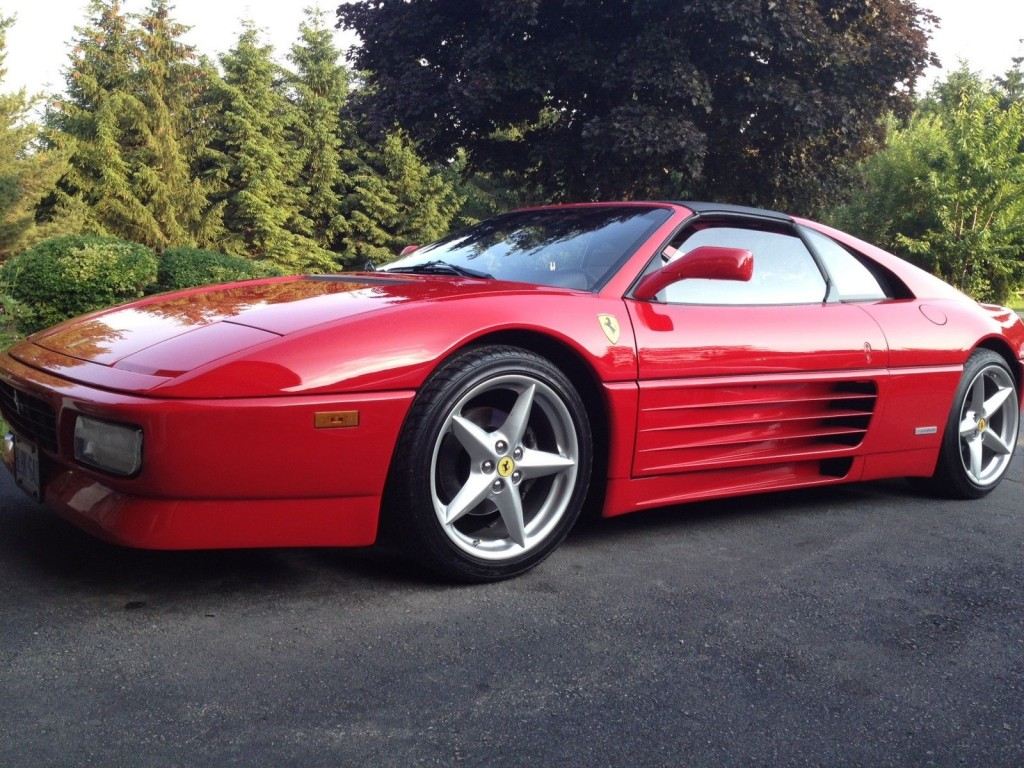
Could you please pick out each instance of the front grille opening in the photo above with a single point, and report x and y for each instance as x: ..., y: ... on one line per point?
x: 29, y: 416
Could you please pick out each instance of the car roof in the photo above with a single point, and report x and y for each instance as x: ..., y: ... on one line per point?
x: 702, y: 207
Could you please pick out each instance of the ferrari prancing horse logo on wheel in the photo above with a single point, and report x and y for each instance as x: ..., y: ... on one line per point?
x: 506, y: 466
x: 610, y: 326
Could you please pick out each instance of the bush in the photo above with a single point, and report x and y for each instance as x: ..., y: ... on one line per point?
x: 188, y: 267
x: 66, y: 276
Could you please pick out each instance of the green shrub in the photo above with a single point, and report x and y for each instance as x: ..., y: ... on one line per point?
x: 66, y: 276
x: 8, y: 333
x: 188, y: 267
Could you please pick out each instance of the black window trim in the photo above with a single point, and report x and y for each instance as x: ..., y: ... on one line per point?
x: 776, y: 222
x: 893, y: 289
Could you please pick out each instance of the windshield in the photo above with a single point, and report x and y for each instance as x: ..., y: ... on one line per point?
x: 565, y: 247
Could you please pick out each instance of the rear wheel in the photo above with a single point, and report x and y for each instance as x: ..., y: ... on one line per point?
x: 492, y: 467
x: 982, y: 429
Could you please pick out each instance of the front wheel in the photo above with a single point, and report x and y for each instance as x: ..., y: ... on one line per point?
x: 492, y: 467
x: 982, y: 429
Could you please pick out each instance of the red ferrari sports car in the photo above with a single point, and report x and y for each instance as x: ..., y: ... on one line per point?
x: 469, y: 399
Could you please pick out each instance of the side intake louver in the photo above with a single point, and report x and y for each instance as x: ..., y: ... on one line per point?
x: 716, y: 427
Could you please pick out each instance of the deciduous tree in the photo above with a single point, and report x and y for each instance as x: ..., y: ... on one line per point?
x: 947, y: 191
x: 753, y: 101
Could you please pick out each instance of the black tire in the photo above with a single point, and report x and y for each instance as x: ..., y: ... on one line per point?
x: 952, y: 479
x: 426, y: 459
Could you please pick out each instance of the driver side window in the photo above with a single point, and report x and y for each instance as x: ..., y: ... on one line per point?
x: 784, y: 270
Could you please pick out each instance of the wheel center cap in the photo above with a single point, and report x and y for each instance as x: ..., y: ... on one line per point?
x: 982, y: 425
x: 506, y: 466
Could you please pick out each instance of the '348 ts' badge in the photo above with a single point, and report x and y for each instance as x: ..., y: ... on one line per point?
x: 610, y: 326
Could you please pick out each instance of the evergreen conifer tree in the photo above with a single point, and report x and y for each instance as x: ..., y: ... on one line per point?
x: 27, y: 171
x: 397, y: 200
x: 320, y: 90
x: 168, y: 83
x: 254, y: 160
x: 427, y: 202
x: 97, y: 118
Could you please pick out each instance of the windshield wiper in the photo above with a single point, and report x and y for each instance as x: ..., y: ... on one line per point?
x: 438, y: 267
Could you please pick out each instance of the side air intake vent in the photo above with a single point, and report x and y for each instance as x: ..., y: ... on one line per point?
x: 714, y: 427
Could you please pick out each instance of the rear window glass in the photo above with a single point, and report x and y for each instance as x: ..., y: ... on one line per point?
x: 853, y: 281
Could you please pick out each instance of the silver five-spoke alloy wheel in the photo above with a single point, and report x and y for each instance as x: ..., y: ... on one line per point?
x: 504, y: 467
x: 988, y: 425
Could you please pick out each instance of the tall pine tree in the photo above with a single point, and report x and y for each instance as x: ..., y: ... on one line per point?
x: 255, y: 163
x: 427, y: 202
x: 397, y: 200
x: 364, y: 202
x: 168, y: 84
x: 27, y: 171
x: 320, y: 91
x: 96, y: 120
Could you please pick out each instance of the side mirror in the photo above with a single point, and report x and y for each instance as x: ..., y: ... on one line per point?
x: 708, y: 262
x: 407, y: 250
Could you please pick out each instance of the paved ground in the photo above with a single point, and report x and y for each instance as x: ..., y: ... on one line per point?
x: 859, y: 626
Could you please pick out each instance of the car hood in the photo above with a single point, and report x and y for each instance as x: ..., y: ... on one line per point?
x: 175, y: 332
x: 316, y: 336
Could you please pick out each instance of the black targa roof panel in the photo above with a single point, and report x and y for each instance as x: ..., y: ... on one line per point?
x: 744, y: 210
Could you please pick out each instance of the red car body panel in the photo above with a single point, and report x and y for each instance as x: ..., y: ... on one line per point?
x: 698, y: 401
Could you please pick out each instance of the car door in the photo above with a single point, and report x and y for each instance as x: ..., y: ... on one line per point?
x: 763, y: 382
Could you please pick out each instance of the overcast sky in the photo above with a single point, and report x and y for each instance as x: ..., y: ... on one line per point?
x: 984, y: 32
x: 37, y: 45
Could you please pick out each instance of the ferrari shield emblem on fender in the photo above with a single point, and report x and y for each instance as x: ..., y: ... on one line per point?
x: 610, y: 326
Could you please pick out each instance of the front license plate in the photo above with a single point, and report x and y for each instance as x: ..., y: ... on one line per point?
x: 26, y: 467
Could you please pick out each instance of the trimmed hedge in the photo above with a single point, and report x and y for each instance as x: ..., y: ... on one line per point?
x: 67, y: 276
x: 189, y: 267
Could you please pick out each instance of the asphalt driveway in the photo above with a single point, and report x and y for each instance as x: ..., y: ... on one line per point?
x: 864, y: 625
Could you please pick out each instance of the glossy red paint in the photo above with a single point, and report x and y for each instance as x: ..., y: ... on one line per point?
x: 699, y: 401
x: 212, y: 465
x: 708, y: 262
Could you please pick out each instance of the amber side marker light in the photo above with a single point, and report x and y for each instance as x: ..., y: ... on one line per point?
x: 335, y: 419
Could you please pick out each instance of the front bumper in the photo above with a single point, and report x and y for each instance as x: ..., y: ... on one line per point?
x: 222, y: 473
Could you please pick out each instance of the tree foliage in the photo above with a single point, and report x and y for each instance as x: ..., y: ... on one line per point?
x: 1012, y: 82
x: 325, y: 140
x: 397, y: 200
x: 753, y: 101
x: 27, y: 171
x: 168, y: 82
x: 92, y: 122
x: 167, y: 150
x: 947, y: 191
x: 254, y: 162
